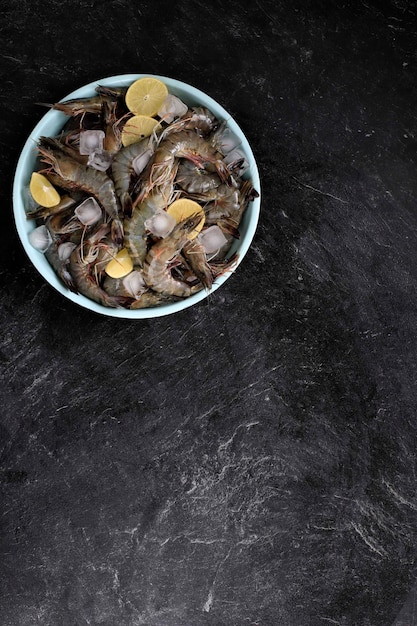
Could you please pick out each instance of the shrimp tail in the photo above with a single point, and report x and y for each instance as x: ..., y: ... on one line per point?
x: 248, y: 192
x: 228, y: 227
x: 122, y: 302
x: 68, y: 280
x: 223, y: 172
x: 195, y: 258
x: 112, y: 92
x: 200, y: 161
x: 221, y: 267
x: 127, y: 204
x: 117, y: 231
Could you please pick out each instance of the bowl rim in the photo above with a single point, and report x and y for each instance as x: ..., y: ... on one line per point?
x: 58, y: 119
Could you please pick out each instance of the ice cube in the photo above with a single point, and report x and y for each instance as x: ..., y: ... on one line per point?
x: 88, y: 212
x: 171, y: 108
x: 212, y: 239
x: 91, y: 141
x: 134, y: 283
x: 65, y: 250
x: 40, y: 238
x: 238, y: 158
x: 141, y: 161
x: 100, y: 160
x: 160, y: 224
x: 28, y: 201
x: 228, y: 141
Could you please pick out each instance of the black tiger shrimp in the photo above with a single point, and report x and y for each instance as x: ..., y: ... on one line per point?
x: 156, y: 270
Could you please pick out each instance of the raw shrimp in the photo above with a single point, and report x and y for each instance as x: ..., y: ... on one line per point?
x: 149, y: 298
x: 116, y: 93
x: 156, y: 270
x: 79, y: 106
x: 60, y: 267
x: 186, y: 144
x: 195, y: 256
x: 135, y: 235
x: 122, y: 171
x: 85, y: 270
x: 222, y: 265
x: 69, y: 143
x: 112, y: 138
x: 152, y: 299
x: 226, y: 211
x: 65, y: 225
x: 78, y: 176
x: 199, y: 119
x: 115, y: 287
x: 193, y: 179
x: 41, y: 211
x: 226, y: 205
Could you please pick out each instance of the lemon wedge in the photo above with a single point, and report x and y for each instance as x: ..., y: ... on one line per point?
x: 42, y: 191
x: 120, y: 266
x: 182, y: 209
x: 137, y: 128
x: 145, y: 96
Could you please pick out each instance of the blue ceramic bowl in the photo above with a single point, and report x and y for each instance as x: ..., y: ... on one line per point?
x: 52, y: 123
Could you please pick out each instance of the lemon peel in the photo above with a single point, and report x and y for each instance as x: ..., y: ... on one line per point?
x: 145, y: 96
x: 42, y: 191
x: 137, y: 128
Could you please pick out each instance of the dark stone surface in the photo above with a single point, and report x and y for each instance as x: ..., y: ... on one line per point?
x: 253, y: 459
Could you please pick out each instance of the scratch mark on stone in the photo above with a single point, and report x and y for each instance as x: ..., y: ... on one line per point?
x: 398, y: 496
x: 265, y: 13
x: 379, y: 550
x: 197, y: 323
x: 227, y: 443
x: 210, y: 596
x: 323, y: 193
x: 209, y: 602
x: 37, y: 380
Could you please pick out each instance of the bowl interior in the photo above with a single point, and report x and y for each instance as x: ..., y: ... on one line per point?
x: 52, y: 123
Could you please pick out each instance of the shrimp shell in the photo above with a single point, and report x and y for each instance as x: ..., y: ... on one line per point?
x: 86, y: 267
x: 122, y: 171
x: 156, y: 270
x: 195, y: 255
x: 75, y: 175
x: 182, y: 144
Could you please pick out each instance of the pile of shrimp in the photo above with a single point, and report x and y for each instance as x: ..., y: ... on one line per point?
x: 185, y: 160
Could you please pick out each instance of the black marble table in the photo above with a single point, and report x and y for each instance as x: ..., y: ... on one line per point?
x: 251, y: 460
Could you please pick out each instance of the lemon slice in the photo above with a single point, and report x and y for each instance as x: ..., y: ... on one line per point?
x: 121, y: 265
x: 145, y: 96
x: 137, y: 128
x: 42, y: 191
x: 182, y: 209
